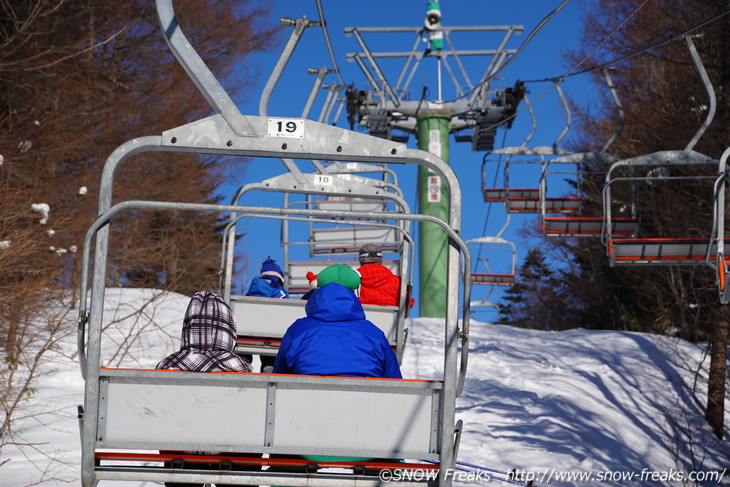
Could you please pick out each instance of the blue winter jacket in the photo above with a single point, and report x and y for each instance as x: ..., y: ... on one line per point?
x: 263, y: 286
x: 336, y: 339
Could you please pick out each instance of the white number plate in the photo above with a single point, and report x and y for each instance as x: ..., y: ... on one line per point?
x: 323, y: 180
x: 286, y: 127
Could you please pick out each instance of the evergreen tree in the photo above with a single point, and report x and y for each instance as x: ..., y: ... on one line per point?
x: 536, y: 299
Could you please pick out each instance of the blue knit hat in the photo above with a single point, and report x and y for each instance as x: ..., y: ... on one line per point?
x: 271, y: 268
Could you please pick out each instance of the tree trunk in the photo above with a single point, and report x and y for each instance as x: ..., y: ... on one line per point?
x: 715, y: 412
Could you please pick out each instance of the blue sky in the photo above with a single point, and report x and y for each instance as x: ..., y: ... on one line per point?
x: 543, y: 57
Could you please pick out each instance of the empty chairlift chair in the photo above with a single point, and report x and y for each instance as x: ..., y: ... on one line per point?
x: 502, y: 250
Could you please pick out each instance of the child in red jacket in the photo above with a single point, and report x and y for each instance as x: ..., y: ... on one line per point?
x: 379, y: 285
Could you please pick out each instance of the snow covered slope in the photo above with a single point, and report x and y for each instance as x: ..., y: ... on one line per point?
x: 565, y: 408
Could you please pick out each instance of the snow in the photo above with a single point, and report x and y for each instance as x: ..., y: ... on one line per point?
x: 43, y: 209
x: 25, y: 146
x: 83, y: 190
x: 604, y: 404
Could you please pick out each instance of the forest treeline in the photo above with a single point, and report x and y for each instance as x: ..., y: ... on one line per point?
x: 78, y: 79
x: 568, y: 283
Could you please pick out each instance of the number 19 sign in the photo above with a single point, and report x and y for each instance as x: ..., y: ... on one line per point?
x: 286, y: 127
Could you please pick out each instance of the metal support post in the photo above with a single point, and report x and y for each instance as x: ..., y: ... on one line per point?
x: 432, y: 134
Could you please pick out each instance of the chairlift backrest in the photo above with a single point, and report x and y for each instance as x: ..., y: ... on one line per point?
x: 261, y: 322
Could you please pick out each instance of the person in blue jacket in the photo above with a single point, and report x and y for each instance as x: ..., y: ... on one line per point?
x: 270, y: 284
x: 335, y: 338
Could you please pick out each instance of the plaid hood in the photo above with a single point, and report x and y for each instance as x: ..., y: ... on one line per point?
x: 208, y: 324
x: 208, y: 338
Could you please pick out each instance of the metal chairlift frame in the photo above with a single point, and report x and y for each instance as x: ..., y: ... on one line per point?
x: 589, y: 226
x: 308, y: 184
x: 490, y: 278
x: 405, y: 248
x: 414, y: 57
x: 267, y: 342
x: 230, y: 133
x: 96, y: 428
x: 531, y: 200
x: 654, y: 251
x: 663, y: 251
x: 337, y: 221
x: 720, y: 263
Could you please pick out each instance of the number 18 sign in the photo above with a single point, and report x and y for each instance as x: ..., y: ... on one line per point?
x: 286, y: 127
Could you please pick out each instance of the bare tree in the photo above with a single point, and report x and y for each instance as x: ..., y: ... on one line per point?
x: 77, y: 79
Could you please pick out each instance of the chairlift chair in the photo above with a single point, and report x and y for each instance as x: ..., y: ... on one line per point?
x: 499, y: 245
x: 129, y: 415
x: 665, y: 251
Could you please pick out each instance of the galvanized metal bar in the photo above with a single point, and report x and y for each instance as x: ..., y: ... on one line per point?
x: 299, y: 26
x: 369, y: 55
x: 498, y: 59
x: 405, y: 54
x: 321, y: 73
x: 411, y: 56
x: 710, y: 93
x: 568, y: 118
x: 445, y: 28
x: 270, y: 414
x: 444, y: 59
x: 619, y: 109
x: 199, y: 73
x: 455, y: 53
x: 366, y: 71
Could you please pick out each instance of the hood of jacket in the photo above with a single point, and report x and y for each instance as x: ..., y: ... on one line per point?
x: 334, y: 302
x: 375, y: 275
x: 208, y: 324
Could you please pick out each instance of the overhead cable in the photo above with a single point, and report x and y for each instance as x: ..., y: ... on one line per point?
x: 559, y: 79
x: 530, y: 36
x: 637, y: 52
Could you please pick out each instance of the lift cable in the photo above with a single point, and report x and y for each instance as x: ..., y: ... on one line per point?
x: 635, y: 53
x: 604, y: 41
x: 530, y: 36
x: 323, y: 23
x: 559, y: 79
x: 527, y: 40
x: 489, y: 206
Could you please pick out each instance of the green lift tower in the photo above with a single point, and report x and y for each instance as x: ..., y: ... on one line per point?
x: 473, y: 115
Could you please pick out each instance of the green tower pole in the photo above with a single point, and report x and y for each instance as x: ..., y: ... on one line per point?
x: 432, y: 135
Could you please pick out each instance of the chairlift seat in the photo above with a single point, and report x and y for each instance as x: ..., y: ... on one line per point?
x: 334, y: 204
x: 558, y: 226
x: 144, y: 411
x: 661, y: 251
x: 492, y: 279
x: 262, y: 322
x: 297, y: 271
x: 502, y: 194
x: 341, y: 240
x: 534, y: 205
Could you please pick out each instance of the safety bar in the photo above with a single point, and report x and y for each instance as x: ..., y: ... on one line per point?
x: 103, y: 220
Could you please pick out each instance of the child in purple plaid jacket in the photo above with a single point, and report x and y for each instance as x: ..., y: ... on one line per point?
x: 208, y: 338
